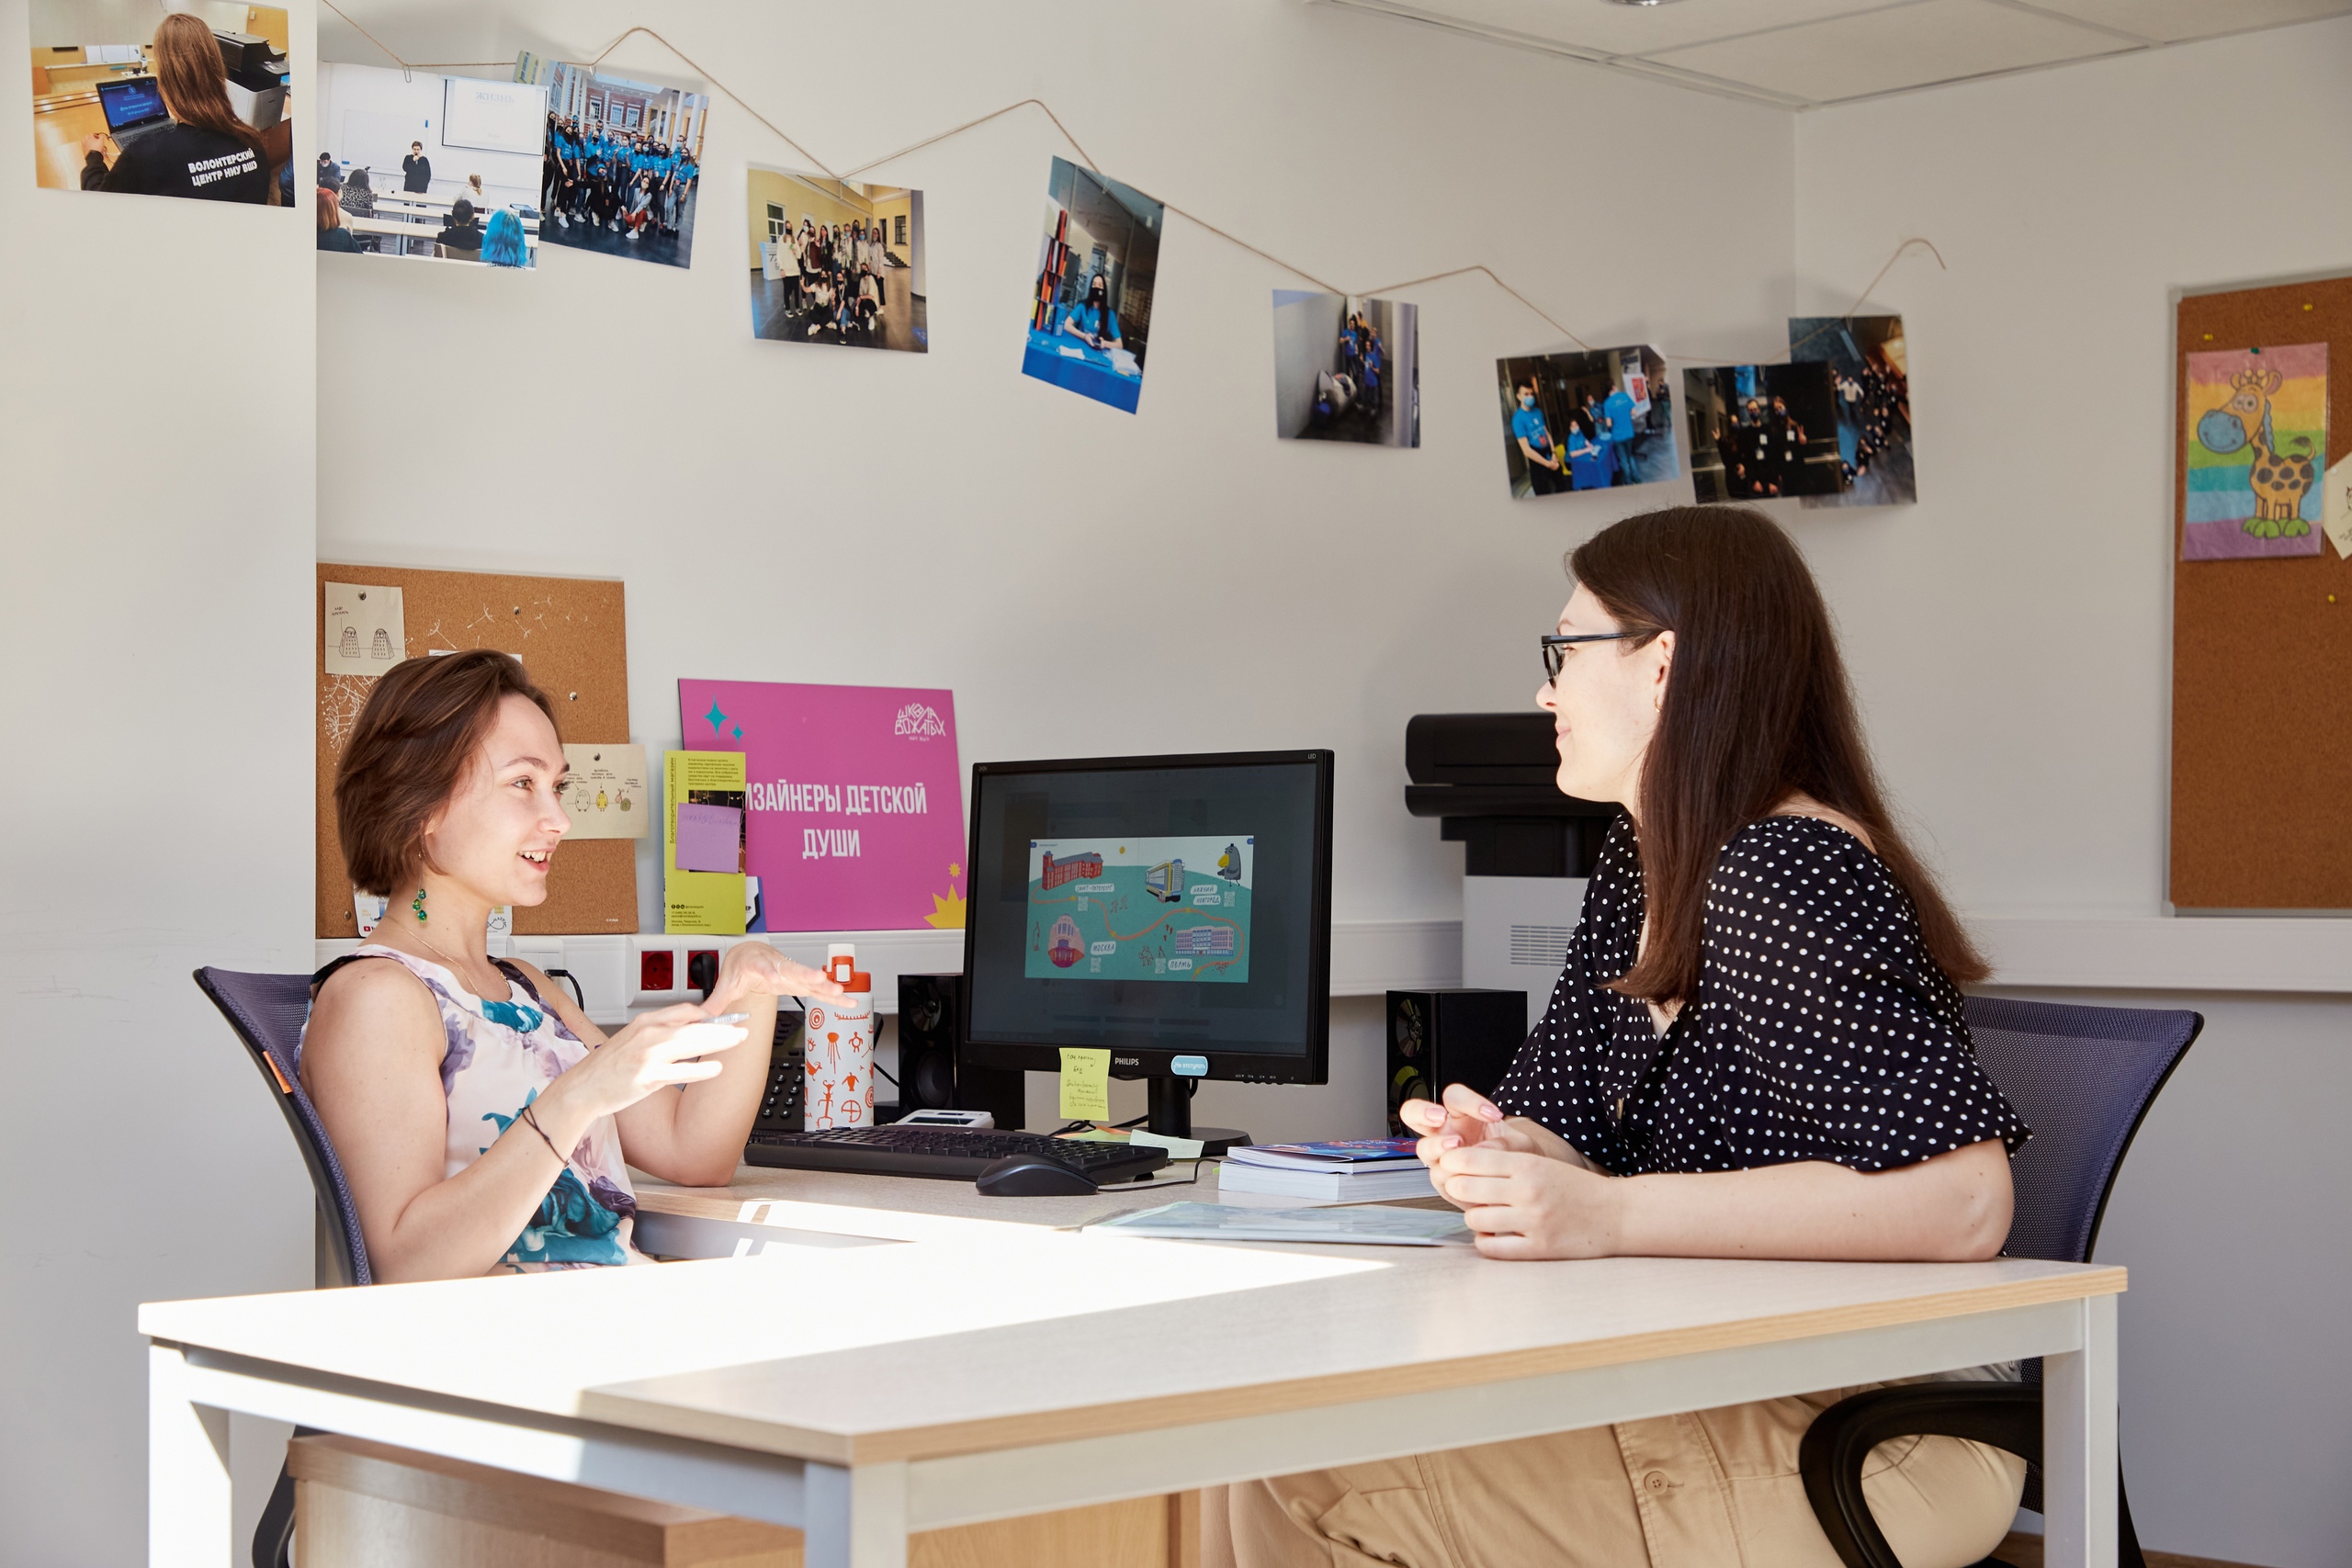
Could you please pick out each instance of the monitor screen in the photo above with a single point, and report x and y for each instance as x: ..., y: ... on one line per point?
x: 1173, y: 910
x: 133, y: 100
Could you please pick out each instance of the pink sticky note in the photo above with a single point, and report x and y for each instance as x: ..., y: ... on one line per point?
x: 710, y: 838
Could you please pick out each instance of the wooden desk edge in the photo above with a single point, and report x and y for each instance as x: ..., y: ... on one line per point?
x: 1341, y: 1388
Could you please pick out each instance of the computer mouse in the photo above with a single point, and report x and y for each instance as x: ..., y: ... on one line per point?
x: 1033, y: 1176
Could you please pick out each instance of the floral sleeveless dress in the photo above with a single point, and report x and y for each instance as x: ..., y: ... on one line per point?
x: 498, y: 1058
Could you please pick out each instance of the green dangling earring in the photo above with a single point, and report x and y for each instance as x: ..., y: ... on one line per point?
x: 417, y: 904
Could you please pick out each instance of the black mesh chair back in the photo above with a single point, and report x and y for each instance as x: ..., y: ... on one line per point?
x: 2082, y: 1079
x: 268, y: 1011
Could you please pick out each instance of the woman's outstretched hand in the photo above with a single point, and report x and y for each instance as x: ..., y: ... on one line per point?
x: 755, y: 969
x: 656, y: 1051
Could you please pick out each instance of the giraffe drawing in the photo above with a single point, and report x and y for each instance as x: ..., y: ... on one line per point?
x: 2279, y: 480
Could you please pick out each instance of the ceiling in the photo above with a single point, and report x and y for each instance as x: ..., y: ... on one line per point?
x: 1805, y: 53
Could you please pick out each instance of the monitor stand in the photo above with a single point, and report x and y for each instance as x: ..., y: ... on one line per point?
x: 1171, y: 1116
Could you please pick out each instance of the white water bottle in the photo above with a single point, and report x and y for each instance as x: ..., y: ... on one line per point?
x: 841, y: 1047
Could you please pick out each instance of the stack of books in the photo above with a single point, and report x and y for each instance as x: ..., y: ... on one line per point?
x: 1360, y: 1170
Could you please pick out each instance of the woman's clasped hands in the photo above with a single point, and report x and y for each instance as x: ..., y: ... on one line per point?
x: 1521, y: 1186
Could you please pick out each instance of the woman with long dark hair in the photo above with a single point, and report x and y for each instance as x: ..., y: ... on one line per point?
x: 206, y: 151
x: 1756, y: 1050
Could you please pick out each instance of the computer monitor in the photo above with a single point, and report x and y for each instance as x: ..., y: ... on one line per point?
x: 129, y: 102
x: 1173, y: 911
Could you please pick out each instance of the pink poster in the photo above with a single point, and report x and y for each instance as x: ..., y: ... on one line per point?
x: 855, y: 796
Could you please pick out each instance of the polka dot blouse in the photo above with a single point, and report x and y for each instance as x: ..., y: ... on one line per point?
x: 1820, y: 1030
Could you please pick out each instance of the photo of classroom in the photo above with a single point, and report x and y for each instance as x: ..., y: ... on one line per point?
x: 1588, y: 421
x: 1869, y: 373
x: 1347, y: 368
x: 193, y: 104
x: 431, y: 168
x: 1089, y: 315
x: 622, y: 162
x: 834, y: 262
x: 1758, y: 431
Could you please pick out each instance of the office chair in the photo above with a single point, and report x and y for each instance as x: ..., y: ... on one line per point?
x: 268, y: 1011
x: 2083, y: 1077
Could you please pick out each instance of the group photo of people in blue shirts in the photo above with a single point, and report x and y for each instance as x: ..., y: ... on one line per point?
x: 1590, y: 421
x: 620, y: 177
x: 1346, y: 369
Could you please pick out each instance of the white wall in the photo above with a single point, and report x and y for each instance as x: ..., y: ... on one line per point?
x: 810, y: 514
x: 157, y: 440
x: 2010, y: 636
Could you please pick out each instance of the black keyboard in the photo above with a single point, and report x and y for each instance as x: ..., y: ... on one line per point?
x: 952, y: 1154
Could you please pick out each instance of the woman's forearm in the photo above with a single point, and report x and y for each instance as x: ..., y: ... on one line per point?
x: 1954, y: 1208
x: 459, y: 1228
x: 695, y: 1136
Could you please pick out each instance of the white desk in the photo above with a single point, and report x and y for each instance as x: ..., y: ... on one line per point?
x: 985, y: 1368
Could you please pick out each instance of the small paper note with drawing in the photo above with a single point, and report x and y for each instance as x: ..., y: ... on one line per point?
x: 605, y: 793
x: 365, y: 632
x: 2337, y: 518
x: 697, y: 902
x: 1085, y: 1085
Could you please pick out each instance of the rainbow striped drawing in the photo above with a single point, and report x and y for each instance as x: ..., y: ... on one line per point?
x: 2258, y: 440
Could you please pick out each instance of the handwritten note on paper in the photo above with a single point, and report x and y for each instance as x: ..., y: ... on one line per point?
x: 1085, y: 1085
x: 366, y: 629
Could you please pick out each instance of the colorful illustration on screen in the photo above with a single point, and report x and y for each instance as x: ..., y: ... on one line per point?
x: 2257, y: 433
x: 1175, y: 909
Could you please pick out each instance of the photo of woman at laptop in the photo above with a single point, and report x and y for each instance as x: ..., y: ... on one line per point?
x: 177, y: 117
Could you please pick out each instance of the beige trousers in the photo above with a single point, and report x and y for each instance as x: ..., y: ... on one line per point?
x: 1711, y: 1489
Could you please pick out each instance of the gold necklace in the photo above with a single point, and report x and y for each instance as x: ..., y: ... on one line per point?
x: 457, y: 966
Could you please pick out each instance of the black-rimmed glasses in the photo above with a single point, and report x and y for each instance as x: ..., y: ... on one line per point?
x: 1555, y: 648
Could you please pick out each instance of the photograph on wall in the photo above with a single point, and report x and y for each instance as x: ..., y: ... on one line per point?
x: 623, y: 162
x: 2256, y: 447
x: 1347, y: 368
x: 836, y: 262
x: 1593, y: 421
x: 156, y: 102
x: 1089, y: 315
x: 1869, y: 373
x: 1171, y: 909
x: 1761, y: 431
x: 429, y: 168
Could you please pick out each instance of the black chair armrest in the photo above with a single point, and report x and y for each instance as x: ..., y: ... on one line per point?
x: 2005, y: 1416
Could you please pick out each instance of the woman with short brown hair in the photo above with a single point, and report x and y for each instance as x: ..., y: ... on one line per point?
x: 1756, y: 1050
x: 481, y: 1122
x: 206, y: 151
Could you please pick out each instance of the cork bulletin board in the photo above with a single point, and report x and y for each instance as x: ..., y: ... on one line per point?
x: 569, y: 633
x: 2262, y: 655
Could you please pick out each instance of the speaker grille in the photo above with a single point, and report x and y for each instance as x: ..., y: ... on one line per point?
x: 1544, y: 947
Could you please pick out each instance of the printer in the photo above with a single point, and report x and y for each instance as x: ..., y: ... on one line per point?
x: 1488, y: 778
x: 257, y: 82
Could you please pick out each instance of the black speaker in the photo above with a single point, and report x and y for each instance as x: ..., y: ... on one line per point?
x: 1435, y: 1038
x: 931, y: 1008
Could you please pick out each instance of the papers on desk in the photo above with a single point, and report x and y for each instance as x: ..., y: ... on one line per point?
x: 1355, y: 1228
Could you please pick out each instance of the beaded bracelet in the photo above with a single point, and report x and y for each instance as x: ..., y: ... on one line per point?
x: 533, y: 1122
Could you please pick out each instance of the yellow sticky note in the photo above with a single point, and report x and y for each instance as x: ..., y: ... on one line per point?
x: 1085, y: 1085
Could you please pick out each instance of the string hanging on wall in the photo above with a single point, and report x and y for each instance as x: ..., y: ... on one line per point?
x: 1086, y: 159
